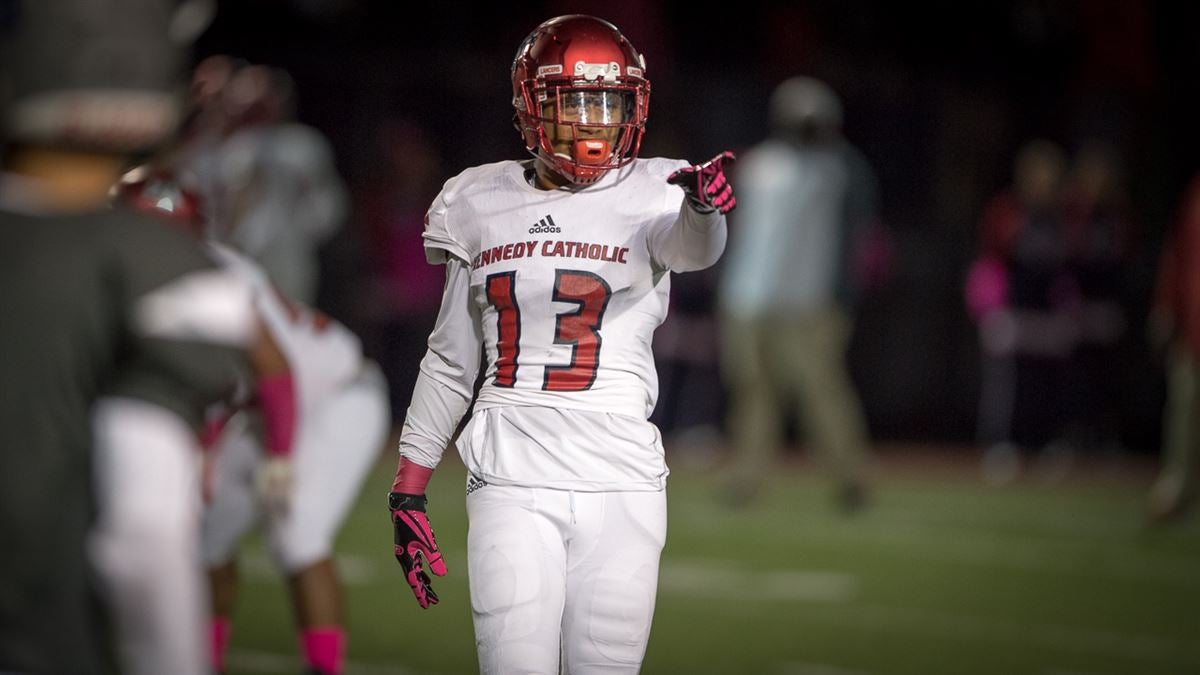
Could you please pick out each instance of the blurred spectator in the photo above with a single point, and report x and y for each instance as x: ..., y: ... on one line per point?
x: 1020, y: 292
x: 269, y: 182
x: 1175, y: 329
x: 408, y: 291
x: 98, y: 301
x: 1099, y: 237
x: 787, y: 292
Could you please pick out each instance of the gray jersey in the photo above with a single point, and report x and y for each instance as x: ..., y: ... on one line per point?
x: 85, y: 301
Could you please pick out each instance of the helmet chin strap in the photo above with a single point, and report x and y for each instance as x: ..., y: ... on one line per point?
x: 548, y: 174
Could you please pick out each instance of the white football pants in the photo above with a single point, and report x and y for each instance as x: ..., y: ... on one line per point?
x: 563, y: 579
x: 145, y: 544
x: 335, y: 446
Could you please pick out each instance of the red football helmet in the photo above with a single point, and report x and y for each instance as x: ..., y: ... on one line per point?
x: 581, y: 96
x: 162, y: 195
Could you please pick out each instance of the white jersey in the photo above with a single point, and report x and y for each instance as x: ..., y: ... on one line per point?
x: 323, y: 354
x: 563, y: 290
x: 341, y: 423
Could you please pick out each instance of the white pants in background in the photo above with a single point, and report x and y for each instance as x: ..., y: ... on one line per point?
x: 335, y: 446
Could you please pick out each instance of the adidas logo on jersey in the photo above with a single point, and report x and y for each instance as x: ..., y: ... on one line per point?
x: 474, y: 483
x: 545, y: 225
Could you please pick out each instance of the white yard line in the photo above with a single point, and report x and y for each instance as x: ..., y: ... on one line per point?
x: 1113, y: 559
x: 680, y: 577
x: 799, y: 668
x: 969, y: 628
x: 838, y: 590
x: 695, y: 578
x: 698, y: 578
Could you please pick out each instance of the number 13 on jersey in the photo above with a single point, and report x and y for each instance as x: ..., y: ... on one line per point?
x: 578, y: 327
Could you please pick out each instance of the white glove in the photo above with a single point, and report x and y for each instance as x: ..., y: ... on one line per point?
x: 274, y: 483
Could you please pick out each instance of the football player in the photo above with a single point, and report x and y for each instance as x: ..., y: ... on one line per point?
x: 269, y: 183
x: 296, y: 455
x: 558, y: 269
x: 303, y: 493
x: 97, y: 301
x: 145, y: 542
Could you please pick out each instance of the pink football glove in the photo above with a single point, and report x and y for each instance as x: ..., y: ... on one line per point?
x: 705, y: 184
x: 413, y: 536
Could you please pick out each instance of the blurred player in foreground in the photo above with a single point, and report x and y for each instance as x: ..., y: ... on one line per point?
x: 96, y: 300
x: 146, y: 540
x: 558, y: 268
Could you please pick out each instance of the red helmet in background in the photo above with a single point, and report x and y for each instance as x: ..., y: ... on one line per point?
x: 160, y: 194
x: 580, y: 60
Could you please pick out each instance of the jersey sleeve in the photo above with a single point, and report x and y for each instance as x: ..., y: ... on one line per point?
x: 681, y: 239
x: 323, y: 354
x: 446, y: 380
x: 443, y: 236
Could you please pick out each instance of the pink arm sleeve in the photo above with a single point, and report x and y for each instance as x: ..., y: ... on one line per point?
x: 277, y: 396
x: 411, y: 478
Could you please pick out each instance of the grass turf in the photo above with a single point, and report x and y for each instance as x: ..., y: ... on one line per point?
x: 940, y: 575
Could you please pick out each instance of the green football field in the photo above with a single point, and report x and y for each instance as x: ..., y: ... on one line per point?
x: 942, y: 574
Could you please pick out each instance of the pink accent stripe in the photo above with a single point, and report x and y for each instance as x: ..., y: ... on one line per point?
x: 277, y: 395
x: 220, y: 630
x: 324, y: 648
x: 419, y: 526
x: 411, y: 478
x: 210, y: 433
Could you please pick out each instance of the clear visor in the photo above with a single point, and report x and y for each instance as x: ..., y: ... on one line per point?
x: 588, y: 106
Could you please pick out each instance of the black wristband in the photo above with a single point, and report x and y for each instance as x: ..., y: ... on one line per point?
x: 398, y: 501
x: 699, y: 206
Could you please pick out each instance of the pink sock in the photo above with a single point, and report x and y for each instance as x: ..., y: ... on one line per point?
x: 324, y: 648
x: 220, y: 630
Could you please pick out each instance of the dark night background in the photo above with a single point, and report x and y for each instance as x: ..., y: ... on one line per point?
x: 938, y: 95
